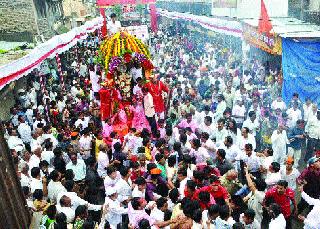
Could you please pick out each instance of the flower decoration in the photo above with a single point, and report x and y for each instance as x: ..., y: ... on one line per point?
x: 127, y: 57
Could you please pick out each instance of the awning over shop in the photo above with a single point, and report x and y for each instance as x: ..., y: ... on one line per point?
x: 282, y: 27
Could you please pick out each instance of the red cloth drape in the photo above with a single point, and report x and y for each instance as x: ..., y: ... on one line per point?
x: 153, y: 14
x: 104, y: 27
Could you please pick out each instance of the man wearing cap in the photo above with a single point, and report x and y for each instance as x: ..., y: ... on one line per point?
x: 310, y: 177
x: 152, y: 183
x: 290, y: 174
x: 114, y: 215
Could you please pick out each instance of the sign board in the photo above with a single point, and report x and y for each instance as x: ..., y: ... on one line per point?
x: 268, y: 43
x: 140, y: 31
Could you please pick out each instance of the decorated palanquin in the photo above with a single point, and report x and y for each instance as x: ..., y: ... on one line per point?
x: 119, y: 54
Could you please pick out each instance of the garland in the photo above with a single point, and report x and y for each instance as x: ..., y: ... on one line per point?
x: 120, y: 44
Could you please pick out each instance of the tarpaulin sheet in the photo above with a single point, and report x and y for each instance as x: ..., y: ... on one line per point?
x: 301, y: 69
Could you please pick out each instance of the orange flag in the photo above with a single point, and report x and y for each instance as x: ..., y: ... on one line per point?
x: 265, y: 25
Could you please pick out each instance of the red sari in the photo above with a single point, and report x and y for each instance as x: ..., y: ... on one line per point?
x: 107, y: 99
x: 156, y: 90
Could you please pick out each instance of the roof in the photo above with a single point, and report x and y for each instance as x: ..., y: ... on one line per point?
x: 289, y: 27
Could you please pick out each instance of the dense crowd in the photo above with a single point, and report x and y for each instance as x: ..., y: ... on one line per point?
x: 211, y: 143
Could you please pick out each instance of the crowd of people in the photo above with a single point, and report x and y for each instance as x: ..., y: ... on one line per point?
x: 210, y: 144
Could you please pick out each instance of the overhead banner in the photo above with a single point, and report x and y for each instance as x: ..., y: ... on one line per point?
x: 140, y: 31
x: 268, y: 43
x: 301, y: 69
x: 219, y: 25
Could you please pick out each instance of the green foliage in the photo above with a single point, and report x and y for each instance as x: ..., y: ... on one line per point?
x: 140, y: 9
x: 3, y: 51
x: 62, y: 29
x: 117, y: 9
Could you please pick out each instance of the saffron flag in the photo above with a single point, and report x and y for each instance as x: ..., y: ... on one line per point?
x: 265, y: 25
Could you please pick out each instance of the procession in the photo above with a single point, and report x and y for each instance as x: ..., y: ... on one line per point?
x: 162, y: 125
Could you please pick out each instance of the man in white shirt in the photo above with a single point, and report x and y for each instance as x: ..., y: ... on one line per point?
x: 294, y: 115
x: 252, y: 123
x: 78, y: 167
x: 123, y: 186
x: 103, y: 160
x: 182, y: 178
x: 246, y: 138
x: 140, y: 188
x: 24, y: 130
x: 238, y: 112
x: 200, y: 117
x: 14, y: 142
x: 36, y: 181
x: 221, y: 133
x: 307, y: 109
x: 157, y: 213
x: 149, y: 110
x: 114, y: 215
x: 55, y: 187
x: 312, y: 220
x: 279, y: 142
x: 75, y: 199
x: 231, y: 149
x: 112, y: 178
x: 35, y: 158
x: 208, y: 127
x: 313, y: 132
x: 85, y: 143
x: 252, y: 161
x: 221, y: 107
x: 278, y: 104
x: 81, y: 121
x: 113, y: 26
x: 64, y: 206
x: 208, y: 144
x: 273, y: 175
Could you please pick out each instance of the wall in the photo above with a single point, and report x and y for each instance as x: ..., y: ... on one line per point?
x: 251, y: 9
x: 314, y: 5
x: 17, y: 20
x: 7, y: 96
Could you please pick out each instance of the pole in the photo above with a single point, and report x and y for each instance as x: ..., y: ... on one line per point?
x: 14, y: 213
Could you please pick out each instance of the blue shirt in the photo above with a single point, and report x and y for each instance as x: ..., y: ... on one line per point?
x: 292, y: 134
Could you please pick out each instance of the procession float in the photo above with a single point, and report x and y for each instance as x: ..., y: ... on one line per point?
x: 119, y: 54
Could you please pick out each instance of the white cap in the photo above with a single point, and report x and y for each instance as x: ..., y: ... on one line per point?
x: 110, y: 191
x: 21, y: 91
